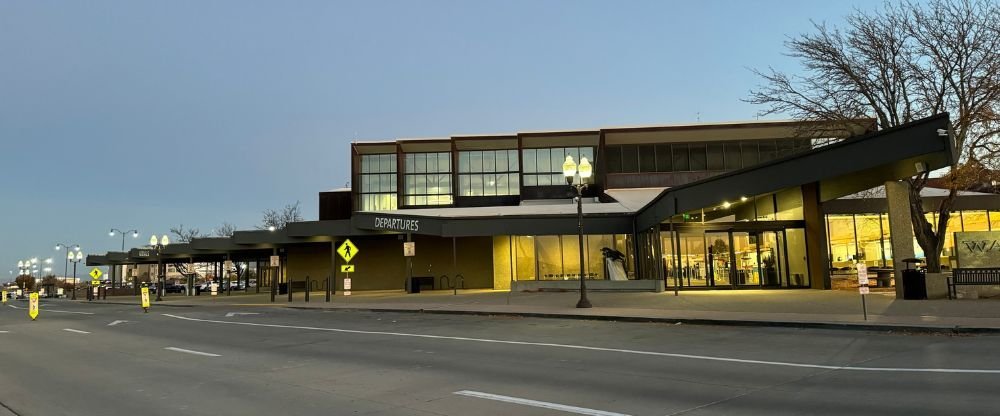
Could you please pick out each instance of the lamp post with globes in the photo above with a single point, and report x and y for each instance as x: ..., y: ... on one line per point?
x: 114, y: 269
x: 75, y: 258
x: 584, y: 171
x: 159, y: 245
x: 69, y: 256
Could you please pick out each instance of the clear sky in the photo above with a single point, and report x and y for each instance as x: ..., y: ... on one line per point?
x: 150, y: 114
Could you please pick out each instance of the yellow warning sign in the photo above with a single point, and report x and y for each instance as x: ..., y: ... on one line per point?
x: 347, y: 250
x: 96, y: 273
x: 145, y: 298
x: 33, y: 306
x: 95, y: 282
x: 3, y: 295
x: 347, y: 268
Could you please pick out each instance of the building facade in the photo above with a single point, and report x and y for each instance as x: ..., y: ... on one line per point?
x: 706, y: 206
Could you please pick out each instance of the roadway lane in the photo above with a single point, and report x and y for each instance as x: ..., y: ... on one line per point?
x: 300, y: 362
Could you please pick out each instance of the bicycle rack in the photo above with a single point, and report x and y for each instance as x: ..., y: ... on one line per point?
x: 444, y: 278
x: 458, y: 278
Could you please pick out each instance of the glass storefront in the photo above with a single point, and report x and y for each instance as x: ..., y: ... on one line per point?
x: 865, y: 237
x: 557, y: 257
x: 735, y: 258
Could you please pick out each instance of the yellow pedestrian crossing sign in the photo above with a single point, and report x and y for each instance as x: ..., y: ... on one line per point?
x: 347, y: 250
x: 96, y: 273
x: 33, y: 305
x: 347, y: 268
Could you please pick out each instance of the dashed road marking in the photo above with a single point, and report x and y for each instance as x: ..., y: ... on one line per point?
x: 536, y: 403
x: 75, y: 330
x: 206, y: 354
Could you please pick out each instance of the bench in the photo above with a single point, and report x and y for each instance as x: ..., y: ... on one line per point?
x: 971, y: 277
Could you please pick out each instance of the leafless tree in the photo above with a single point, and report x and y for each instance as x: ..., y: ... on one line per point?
x: 225, y: 230
x: 278, y: 219
x: 901, y: 63
x: 185, y: 235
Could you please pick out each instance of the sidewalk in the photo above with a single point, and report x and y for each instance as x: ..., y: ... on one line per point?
x: 795, y: 308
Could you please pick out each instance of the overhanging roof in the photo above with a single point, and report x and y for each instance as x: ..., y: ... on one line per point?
x: 840, y: 168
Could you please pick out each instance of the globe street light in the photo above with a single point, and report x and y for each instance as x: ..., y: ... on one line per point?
x: 75, y: 259
x: 159, y: 245
x: 70, y: 250
x: 584, y: 170
x: 135, y: 234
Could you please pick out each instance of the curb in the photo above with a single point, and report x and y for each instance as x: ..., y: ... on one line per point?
x: 104, y: 302
x: 691, y: 321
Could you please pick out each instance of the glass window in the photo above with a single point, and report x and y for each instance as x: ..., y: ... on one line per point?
x: 630, y: 158
x: 869, y: 235
x: 840, y: 229
x: 994, y: 220
x: 975, y: 221
x: 546, y: 168
x: 664, y: 160
x: 529, y: 155
x: 378, y: 182
x: 613, y: 158
x: 512, y: 161
x: 476, y: 161
x: 697, y: 156
x: 428, y: 180
x: 766, y: 150
x: 524, y: 256
x: 733, y: 160
x: 488, y: 172
x: 751, y: 153
x: 647, y: 158
x: 785, y: 147
x: 764, y: 206
x: 680, y: 157
x: 716, y: 160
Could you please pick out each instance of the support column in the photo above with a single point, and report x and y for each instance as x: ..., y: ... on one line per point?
x: 897, y: 197
x: 816, y: 243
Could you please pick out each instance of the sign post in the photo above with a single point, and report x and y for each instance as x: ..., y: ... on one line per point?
x: 863, y: 286
x: 347, y: 251
x: 33, y: 305
x: 145, y: 298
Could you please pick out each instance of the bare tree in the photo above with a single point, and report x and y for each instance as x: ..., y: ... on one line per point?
x: 278, y: 219
x: 225, y: 230
x: 898, y: 64
x: 185, y: 235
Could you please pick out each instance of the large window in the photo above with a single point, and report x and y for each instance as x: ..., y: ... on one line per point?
x: 543, y: 167
x: 488, y: 173
x: 427, y: 179
x: 711, y: 156
x: 378, y: 182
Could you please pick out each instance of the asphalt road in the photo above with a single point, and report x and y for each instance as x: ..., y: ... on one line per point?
x: 77, y: 360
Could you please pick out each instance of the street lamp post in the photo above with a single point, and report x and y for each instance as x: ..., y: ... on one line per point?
x: 75, y: 259
x: 585, y: 170
x: 69, y: 257
x: 158, y: 245
x: 135, y: 234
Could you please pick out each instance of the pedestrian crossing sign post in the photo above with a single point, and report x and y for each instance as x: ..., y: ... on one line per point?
x: 96, y: 274
x: 145, y: 298
x: 33, y: 305
x: 347, y: 251
x: 347, y: 268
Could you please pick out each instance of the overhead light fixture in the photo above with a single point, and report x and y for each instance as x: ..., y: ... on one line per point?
x: 743, y: 199
x: 921, y: 167
x: 726, y: 204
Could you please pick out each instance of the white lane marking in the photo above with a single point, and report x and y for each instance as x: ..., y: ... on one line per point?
x: 618, y: 350
x: 232, y: 314
x: 116, y: 323
x: 56, y: 311
x: 75, y: 330
x: 536, y: 403
x: 207, y: 354
x: 4, y: 332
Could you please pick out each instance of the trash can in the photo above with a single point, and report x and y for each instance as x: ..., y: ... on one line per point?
x: 197, y: 290
x: 282, y: 288
x: 914, y: 282
x: 414, y: 285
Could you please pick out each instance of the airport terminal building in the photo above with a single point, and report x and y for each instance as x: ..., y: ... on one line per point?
x: 761, y: 204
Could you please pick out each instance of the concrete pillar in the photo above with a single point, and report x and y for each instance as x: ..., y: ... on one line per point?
x: 897, y: 196
x: 816, y: 244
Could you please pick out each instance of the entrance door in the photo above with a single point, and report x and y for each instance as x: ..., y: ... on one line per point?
x: 747, y: 271
x: 773, y: 267
x: 719, y: 258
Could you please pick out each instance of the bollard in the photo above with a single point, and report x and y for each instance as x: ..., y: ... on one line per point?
x: 328, y: 291
x: 308, y: 289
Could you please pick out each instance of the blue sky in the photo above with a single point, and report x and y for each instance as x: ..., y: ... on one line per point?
x: 147, y: 115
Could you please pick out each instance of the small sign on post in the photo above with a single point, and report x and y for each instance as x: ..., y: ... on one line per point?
x: 409, y: 249
x: 347, y: 268
x: 863, y: 286
x: 347, y: 251
x: 347, y: 286
x: 33, y: 306
x: 145, y: 298
x: 229, y: 265
x: 275, y: 261
x: 96, y: 274
x: 215, y: 289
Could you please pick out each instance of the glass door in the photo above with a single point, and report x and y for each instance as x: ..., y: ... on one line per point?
x: 773, y: 267
x: 719, y: 259
x: 692, y: 257
x: 745, y: 246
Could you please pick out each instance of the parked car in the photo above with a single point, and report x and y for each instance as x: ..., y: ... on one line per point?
x: 174, y: 288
